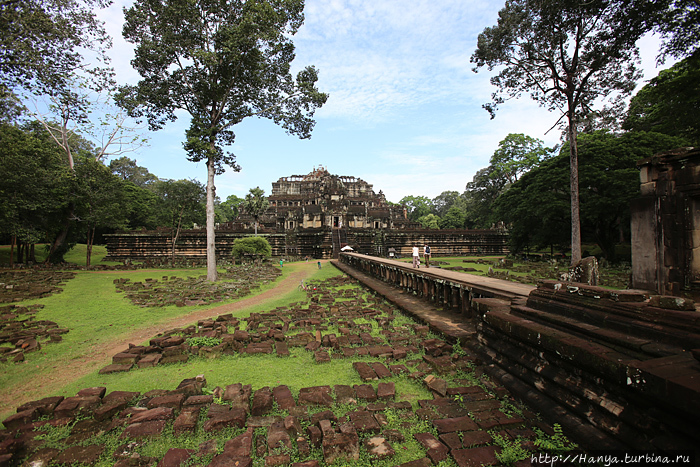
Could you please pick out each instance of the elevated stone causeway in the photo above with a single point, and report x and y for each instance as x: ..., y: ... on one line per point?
x: 616, y: 368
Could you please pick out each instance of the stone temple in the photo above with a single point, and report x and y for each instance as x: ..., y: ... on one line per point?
x: 315, y: 215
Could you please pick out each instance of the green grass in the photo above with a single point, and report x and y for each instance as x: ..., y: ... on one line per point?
x: 96, y: 315
x: 77, y: 254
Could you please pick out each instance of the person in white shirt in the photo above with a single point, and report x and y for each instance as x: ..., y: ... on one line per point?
x: 415, y: 256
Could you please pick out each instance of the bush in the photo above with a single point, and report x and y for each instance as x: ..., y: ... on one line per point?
x: 251, y: 246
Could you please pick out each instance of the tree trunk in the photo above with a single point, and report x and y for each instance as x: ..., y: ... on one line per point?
x: 90, y: 242
x: 61, y: 238
x: 32, y: 255
x: 20, y: 252
x: 12, y: 251
x: 177, y: 234
x: 211, y: 235
x: 575, y: 208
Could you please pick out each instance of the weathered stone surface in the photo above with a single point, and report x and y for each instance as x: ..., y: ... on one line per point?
x: 448, y: 425
x: 317, y: 395
x: 235, y: 417
x: 380, y: 370
x: 262, y: 402
x: 278, y: 438
x: 283, y: 397
x: 116, y: 368
x: 365, y: 392
x: 44, y: 406
x: 80, y: 454
x: 173, y: 401
x: 72, y: 406
x: 365, y: 371
x: 437, y: 385
x: 476, y: 457
x: 145, y: 429
x: 239, y: 395
x: 422, y: 462
x: 148, y: 415
x: 341, y: 445
x: 16, y: 420
x: 149, y: 360
x: 187, y: 420
x: 224, y: 460
x: 344, y: 394
x: 277, y: 460
x: 175, y: 457
x: 241, y: 445
x: 476, y: 438
x: 386, y: 391
x: 364, y: 422
x: 437, y: 452
x: 378, y: 447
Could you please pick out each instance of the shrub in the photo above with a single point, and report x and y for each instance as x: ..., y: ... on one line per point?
x: 251, y: 246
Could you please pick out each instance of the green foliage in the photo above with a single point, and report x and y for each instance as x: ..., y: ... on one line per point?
x: 128, y: 171
x: 417, y: 206
x: 229, y: 210
x: 255, y: 204
x: 680, y: 27
x: 511, y: 451
x: 42, y: 40
x: 517, y: 154
x: 203, y: 341
x: 257, y: 246
x: 669, y: 103
x: 538, y: 208
x: 429, y: 221
x: 557, y: 442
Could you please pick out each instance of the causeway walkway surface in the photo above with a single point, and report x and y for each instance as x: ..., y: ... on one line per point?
x: 455, y: 326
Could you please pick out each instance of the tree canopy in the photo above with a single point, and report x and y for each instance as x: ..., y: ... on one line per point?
x: 569, y: 56
x: 221, y: 62
x: 670, y: 102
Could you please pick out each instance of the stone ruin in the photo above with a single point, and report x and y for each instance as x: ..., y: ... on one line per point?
x: 24, y: 333
x: 314, y: 216
x: 666, y: 225
x: 463, y: 420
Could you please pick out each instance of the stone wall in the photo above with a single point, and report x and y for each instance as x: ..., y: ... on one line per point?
x: 618, y: 369
x: 666, y: 224
x: 314, y: 243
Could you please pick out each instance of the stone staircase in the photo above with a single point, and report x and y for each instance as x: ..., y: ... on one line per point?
x: 618, y: 369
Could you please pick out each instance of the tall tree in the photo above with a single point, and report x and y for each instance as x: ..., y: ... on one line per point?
x: 417, y: 206
x: 516, y: 154
x: 681, y: 29
x: 255, y: 204
x: 42, y: 42
x: 99, y: 201
x: 568, y: 55
x: 182, y: 204
x: 229, y: 209
x: 128, y: 171
x: 221, y: 61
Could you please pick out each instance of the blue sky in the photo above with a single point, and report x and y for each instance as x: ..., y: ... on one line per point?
x: 404, y: 111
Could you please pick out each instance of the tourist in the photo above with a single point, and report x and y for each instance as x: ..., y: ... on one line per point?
x: 426, y: 255
x: 319, y: 265
x: 281, y: 262
x: 415, y: 256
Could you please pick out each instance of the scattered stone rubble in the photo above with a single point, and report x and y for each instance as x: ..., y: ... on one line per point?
x: 21, y: 333
x: 31, y: 284
x: 267, y: 423
x: 272, y: 426
x: 235, y: 283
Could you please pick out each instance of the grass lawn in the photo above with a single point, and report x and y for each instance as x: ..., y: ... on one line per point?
x: 77, y: 254
x: 99, y: 317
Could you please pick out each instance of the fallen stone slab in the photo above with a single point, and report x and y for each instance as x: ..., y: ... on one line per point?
x: 386, y: 391
x: 262, y: 402
x: 116, y: 368
x: 187, y: 420
x: 341, y: 446
x: 378, y: 447
x: 283, y: 397
x: 241, y: 445
x: 80, y: 455
x: 317, y: 395
x: 365, y: 392
x: 476, y: 457
x: 449, y: 425
x: 365, y: 371
x: 364, y: 423
x: 235, y: 417
x: 175, y: 457
x: 380, y: 370
x: 148, y: 415
x: 437, y: 452
x: 144, y: 430
x: 72, y: 406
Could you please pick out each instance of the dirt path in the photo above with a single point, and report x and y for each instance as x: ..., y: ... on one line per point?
x: 99, y: 356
